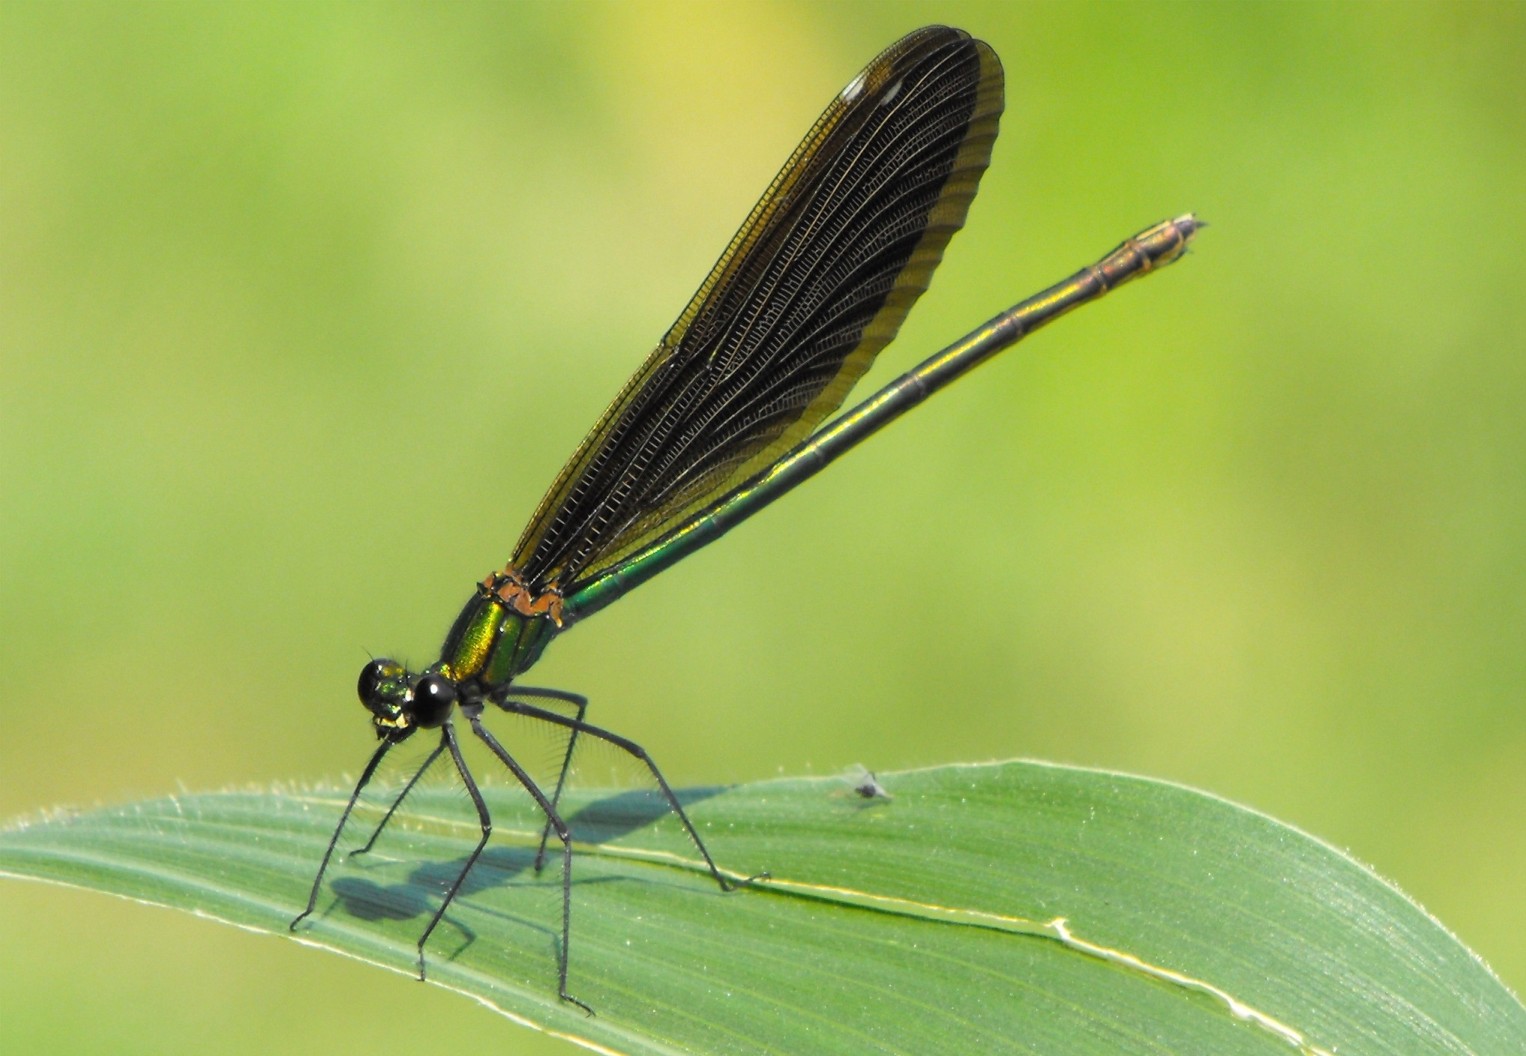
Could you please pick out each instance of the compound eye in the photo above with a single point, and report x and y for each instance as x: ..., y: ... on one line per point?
x: 433, y: 698
x: 381, y: 688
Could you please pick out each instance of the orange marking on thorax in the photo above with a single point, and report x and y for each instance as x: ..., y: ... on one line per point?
x: 510, y: 588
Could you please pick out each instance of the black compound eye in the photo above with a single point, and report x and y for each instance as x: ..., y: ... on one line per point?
x: 433, y: 698
x: 380, y: 687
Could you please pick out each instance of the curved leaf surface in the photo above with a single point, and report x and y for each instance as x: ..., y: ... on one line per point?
x: 1012, y: 907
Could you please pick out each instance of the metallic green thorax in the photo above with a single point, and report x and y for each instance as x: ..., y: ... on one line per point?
x: 490, y: 644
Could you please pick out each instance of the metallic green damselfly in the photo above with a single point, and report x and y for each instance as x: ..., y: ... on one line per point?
x: 727, y: 413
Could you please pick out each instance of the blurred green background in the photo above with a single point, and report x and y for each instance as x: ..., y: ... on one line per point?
x: 304, y: 305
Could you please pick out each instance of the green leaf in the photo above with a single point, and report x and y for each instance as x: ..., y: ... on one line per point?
x: 1012, y: 907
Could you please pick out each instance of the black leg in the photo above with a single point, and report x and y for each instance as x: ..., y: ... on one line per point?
x: 581, y: 704
x: 474, y: 716
x: 399, y: 800
x: 515, y: 707
x: 365, y: 777
x: 484, y: 820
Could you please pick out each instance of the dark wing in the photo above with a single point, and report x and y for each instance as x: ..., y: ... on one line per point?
x: 815, y: 283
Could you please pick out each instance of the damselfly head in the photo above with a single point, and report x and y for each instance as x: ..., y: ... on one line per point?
x: 401, y: 702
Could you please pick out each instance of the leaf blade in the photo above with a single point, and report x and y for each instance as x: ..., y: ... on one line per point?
x: 846, y: 947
